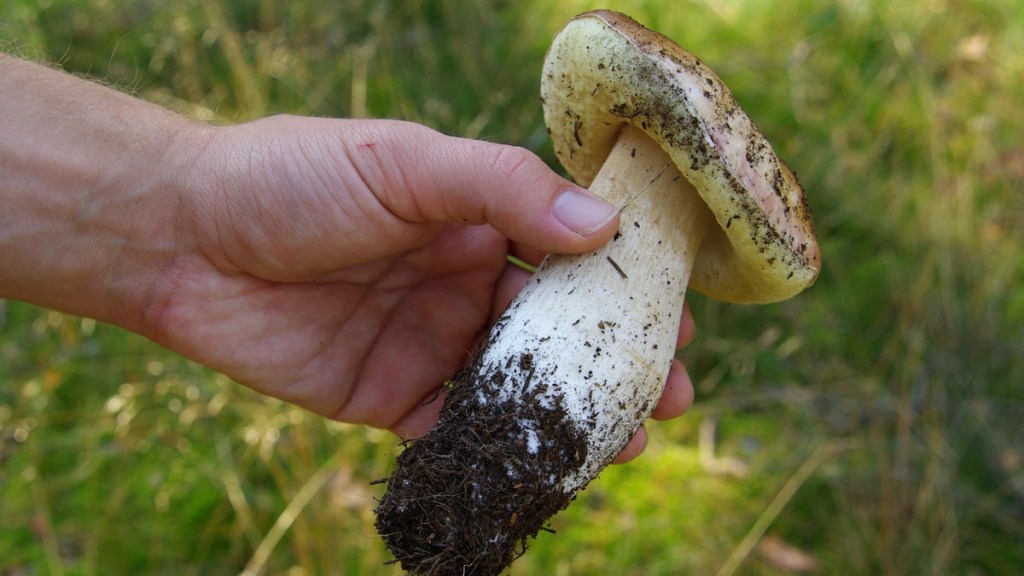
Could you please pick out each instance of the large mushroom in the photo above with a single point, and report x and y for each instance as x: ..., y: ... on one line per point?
x: 576, y: 364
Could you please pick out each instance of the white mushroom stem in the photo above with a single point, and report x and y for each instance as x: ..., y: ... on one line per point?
x: 598, y: 330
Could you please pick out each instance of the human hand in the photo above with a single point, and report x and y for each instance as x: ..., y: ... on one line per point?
x: 346, y: 266
x: 349, y: 267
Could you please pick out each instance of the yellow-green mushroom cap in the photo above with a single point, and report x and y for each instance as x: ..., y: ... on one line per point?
x: 604, y: 70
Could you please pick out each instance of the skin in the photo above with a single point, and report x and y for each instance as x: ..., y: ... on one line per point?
x: 346, y: 266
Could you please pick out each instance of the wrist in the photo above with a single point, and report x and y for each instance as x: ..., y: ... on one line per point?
x: 93, y: 181
x: 142, y: 224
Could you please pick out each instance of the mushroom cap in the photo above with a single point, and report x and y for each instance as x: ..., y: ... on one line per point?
x: 604, y: 70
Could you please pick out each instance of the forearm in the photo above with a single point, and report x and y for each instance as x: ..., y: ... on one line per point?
x: 90, y: 180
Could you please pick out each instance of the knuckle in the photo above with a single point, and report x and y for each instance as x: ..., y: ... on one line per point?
x: 514, y: 163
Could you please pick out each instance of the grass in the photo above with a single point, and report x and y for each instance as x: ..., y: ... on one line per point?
x: 877, y: 415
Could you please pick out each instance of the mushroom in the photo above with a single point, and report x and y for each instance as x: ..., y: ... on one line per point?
x: 578, y: 361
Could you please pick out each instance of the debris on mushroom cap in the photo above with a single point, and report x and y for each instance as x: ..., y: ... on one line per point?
x: 604, y: 70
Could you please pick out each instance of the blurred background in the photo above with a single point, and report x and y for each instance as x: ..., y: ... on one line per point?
x: 874, y: 425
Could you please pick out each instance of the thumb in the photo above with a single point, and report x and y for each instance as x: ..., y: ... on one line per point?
x: 422, y: 175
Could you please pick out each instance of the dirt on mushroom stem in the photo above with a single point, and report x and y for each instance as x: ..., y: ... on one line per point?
x: 466, y: 498
x: 565, y: 378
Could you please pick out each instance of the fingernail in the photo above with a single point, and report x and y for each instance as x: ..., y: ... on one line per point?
x: 582, y: 212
